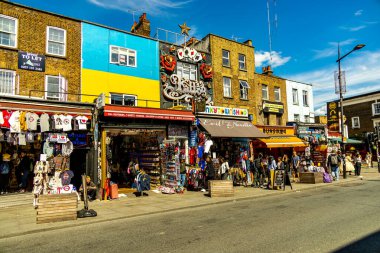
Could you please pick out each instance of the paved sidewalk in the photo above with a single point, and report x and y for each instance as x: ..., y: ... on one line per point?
x: 19, y: 220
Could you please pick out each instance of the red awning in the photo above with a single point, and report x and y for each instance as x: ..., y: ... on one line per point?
x: 147, y: 113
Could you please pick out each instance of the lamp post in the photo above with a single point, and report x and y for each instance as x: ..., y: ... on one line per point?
x: 357, y: 47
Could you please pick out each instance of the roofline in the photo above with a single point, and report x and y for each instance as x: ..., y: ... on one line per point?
x: 52, y: 102
x: 298, y: 81
x: 270, y: 76
x: 356, y: 96
x: 221, y: 37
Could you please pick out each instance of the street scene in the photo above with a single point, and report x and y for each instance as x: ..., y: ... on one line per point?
x: 182, y: 126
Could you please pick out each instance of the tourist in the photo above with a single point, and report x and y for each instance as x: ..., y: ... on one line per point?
x: 357, y: 164
x: 333, y: 162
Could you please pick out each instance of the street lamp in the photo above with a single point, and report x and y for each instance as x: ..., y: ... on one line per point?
x: 357, y: 47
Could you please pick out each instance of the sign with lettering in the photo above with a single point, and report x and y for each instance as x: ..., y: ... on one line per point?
x: 226, y: 111
x: 273, y: 107
x: 276, y: 130
x: 229, y: 124
x: 177, y: 131
x: 29, y: 61
x: 333, y: 116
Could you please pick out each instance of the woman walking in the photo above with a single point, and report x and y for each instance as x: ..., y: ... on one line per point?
x: 358, y: 164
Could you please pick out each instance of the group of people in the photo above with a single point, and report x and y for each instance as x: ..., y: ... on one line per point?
x: 336, y: 160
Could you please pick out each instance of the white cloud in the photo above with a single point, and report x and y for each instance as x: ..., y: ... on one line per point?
x: 263, y: 58
x: 332, y: 50
x: 353, y: 28
x: 358, y: 13
x: 152, y: 7
x: 321, y: 110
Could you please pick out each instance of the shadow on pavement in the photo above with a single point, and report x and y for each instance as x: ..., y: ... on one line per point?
x: 370, y: 243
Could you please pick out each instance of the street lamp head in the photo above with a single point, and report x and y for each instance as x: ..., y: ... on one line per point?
x: 359, y: 46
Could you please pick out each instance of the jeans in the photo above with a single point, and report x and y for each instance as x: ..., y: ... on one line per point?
x: 183, y: 179
x: 335, y: 172
x: 24, y: 179
x: 256, y: 178
x: 358, y: 167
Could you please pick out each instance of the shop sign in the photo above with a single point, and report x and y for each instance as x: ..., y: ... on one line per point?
x: 302, y: 131
x: 178, y: 131
x: 276, y: 131
x: 333, y: 116
x: 29, y: 61
x: 273, y: 107
x: 229, y: 124
x: 193, y: 138
x: 226, y: 111
x: 101, y: 101
x: 78, y: 139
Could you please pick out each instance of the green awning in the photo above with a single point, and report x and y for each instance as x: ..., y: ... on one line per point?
x: 348, y: 141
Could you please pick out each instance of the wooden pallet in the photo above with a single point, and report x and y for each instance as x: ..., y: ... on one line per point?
x: 57, y: 207
x: 220, y: 188
x: 311, y: 177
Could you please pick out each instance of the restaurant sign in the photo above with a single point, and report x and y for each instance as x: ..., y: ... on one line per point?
x: 277, y: 130
x: 226, y: 111
x: 29, y: 61
x: 273, y: 107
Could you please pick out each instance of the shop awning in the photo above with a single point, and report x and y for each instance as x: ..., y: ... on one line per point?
x: 231, y: 128
x: 348, y: 140
x: 283, y: 142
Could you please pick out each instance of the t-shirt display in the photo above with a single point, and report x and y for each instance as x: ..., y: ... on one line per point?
x: 82, y: 122
x: 58, y: 121
x: 14, y: 122
x: 4, y: 118
x: 31, y: 121
x: 44, y: 122
x: 66, y: 122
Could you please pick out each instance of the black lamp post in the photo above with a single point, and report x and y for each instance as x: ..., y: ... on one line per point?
x: 357, y: 47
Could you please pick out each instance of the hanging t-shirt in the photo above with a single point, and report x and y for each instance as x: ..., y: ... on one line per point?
x: 66, y: 177
x: 44, y: 122
x: 23, y: 123
x: 4, y: 119
x: 82, y: 122
x: 67, y: 148
x: 66, y: 122
x: 208, y: 145
x: 58, y: 122
x: 29, y: 137
x: 14, y: 122
x: 31, y: 121
x: 21, y: 139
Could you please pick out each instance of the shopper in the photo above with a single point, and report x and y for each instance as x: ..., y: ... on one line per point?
x: 182, y: 172
x: 4, y: 173
x: 368, y: 159
x: 358, y: 164
x: 333, y: 162
x: 280, y: 163
x: 270, y: 170
x: 224, y: 168
x: 349, y: 164
x: 91, y: 189
x: 295, y: 164
x: 24, y: 168
x: 210, y: 171
x: 258, y: 173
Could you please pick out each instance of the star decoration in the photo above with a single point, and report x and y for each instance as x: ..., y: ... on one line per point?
x: 184, y: 29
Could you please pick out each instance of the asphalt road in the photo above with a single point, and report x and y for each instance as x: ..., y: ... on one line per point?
x: 331, y: 219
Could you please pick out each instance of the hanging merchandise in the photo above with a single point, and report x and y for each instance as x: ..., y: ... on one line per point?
x: 44, y: 122
x: 14, y: 122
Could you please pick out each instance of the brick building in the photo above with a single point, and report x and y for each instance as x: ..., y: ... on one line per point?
x: 39, y: 51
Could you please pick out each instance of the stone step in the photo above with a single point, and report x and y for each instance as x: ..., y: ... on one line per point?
x: 16, y: 199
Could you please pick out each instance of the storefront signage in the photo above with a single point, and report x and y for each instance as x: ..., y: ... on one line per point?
x: 78, y: 139
x: 333, y: 116
x: 229, y: 124
x: 276, y: 131
x: 193, y: 138
x: 303, y: 130
x: 273, y: 107
x: 101, y: 101
x: 29, y: 61
x: 226, y: 111
x: 178, y: 131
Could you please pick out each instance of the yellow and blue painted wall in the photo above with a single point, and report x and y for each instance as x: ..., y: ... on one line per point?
x: 101, y: 76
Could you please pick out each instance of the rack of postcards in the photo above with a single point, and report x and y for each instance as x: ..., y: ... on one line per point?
x: 170, y: 164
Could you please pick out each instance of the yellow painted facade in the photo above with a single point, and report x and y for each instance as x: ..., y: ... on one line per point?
x: 96, y: 82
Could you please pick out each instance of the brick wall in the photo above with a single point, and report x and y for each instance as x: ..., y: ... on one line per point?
x: 32, y: 25
x: 364, y: 112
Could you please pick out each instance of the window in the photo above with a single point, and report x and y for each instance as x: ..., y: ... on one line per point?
x: 307, y: 119
x: 305, y: 99
x: 7, y: 82
x: 295, y: 96
x: 355, y: 122
x: 123, y: 56
x: 242, y: 62
x: 56, y: 41
x: 375, y: 109
x: 56, y: 88
x: 278, y: 120
x: 277, y: 94
x: 266, y: 118
x: 264, y: 91
x: 123, y: 99
x: 8, y: 31
x: 296, y: 117
x: 187, y: 71
x: 227, y: 87
x: 226, y: 58
x: 243, y: 89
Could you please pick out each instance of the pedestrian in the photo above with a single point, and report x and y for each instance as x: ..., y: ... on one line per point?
x: 5, y: 170
x: 224, y: 168
x: 333, y: 162
x: 368, y: 159
x: 258, y: 172
x: 357, y: 163
x: 280, y: 163
x: 24, y: 168
x: 182, y: 172
x: 271, y: 167
x: 295, y: 164
x: 210, y: 171
x: 286, y: 161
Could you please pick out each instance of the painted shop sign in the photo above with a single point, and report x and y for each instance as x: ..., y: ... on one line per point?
x: 273, y: 107
x: 229, y: 124
x: 226, y: 111
x: 29, y: 61
x: 276, y: 131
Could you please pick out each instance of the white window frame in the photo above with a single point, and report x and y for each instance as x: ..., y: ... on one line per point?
x: 307, y: 118
x: 226, y: 58
x: 128, y: 51
x: 277, y: 90
x: 305, y: 98
x: 62, y: 88
x: 123, y: 96
x: 353, y: 122
x: 244, y: 86
x: 295, y: 98
x: 264, y: 87
x: 374, y: 105
x: 242, y: 63
x: 15, y: 33
x: 191, y: 68
x: 227, y: 92
x: 296, y: 117
x: 11, y: 90
x: 64, y: 40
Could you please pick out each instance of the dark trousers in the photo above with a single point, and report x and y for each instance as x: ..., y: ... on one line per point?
x: 358, y: 168
x: 4, y: 182
x: 24, y: 179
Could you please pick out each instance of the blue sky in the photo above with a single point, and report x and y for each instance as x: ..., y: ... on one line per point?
x: 305, y: 33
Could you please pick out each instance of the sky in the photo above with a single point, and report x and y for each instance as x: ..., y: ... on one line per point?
x: 304, y: 34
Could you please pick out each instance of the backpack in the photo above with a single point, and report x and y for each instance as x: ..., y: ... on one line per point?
x: 334, y: 160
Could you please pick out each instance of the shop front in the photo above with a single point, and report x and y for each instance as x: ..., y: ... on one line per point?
x: 142, y: 148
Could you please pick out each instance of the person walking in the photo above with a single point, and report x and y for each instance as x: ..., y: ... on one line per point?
x: 358, y: 164
x: 333, y: 162
x: 5, y: 170
x: 368, y: 159
x: 24, y: 168
x: 210, y: 171
x: 224, y: 168
x: 182, y: 172
x: 295, y: 164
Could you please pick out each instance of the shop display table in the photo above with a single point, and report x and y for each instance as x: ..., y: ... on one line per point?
x: 220, y: 188
x: 311, y: 177
x: 57, y: 207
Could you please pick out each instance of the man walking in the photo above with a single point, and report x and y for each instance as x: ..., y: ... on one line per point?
x: 333, y: 163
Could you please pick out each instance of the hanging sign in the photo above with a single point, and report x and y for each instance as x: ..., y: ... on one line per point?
x: 29, y: 61
x: 333, y: 116
x: 273, y: 107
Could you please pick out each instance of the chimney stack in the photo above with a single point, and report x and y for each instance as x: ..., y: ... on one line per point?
x: 142, y: 27
x: 267, y: 70
x: 248, y: 42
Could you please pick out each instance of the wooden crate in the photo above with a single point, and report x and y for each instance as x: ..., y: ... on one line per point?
x: 311, y: 177
x: 57, y: 207
x: 220, y: 188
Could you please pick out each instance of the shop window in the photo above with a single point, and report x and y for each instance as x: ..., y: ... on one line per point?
x: 123, y: 99
x: 56, y: 41
x: 227, y: 87
x: 266, y: 118
x: 375, y: 109
x: 305, y: 98
x: 7, y: 82
x: 56, y: 88
x: 242, y: 65
x: 226, y: 58
x: 295, y: 96
x: 296, y: 117
x: 187, y: 71
x: 279, y: 120
x: 355, y: 122
x: 8, y: 31
x: 277, y: 94
x: 243, y: 89
x: 123, y: 56
x: 264, y: 91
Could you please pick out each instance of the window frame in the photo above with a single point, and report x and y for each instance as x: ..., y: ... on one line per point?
x: 64, y: 41
x: 229, y: 87
x: 62, y: 85
x: 374, y: 105
x: 305, y: 98
x: 266, y: 90
x: 298, y: 117
x: 123, y: 100
x: 228, y: 58
x: 244, y: 62
x: 16, y: 31
x: 128, y: 50
x: 353, y: 122
x: 307, y: 118
x: 194, y: 71
x: 244, y: 86
x: 279, y: 119
x: 295, y: 91
x: 276, y: 88
x: 13, y: 81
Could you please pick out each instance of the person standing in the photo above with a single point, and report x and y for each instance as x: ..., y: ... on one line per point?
x: 258, y: 172
x: 24, y: 168
x: 182, y: 172
x: 280, y: 163
x: 4, y: 173
x: 295, y: 164
x: 358, y: 164
x: 333, y: 162
x: 210, y: 171
x: 368, y: 159
x: 271, y: 168
x: 224, y: 168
